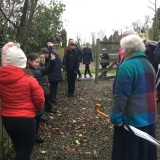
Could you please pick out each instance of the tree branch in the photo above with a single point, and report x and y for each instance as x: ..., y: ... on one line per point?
x: 151, y: 2
x: 8, y: 18
x: 151, y: 8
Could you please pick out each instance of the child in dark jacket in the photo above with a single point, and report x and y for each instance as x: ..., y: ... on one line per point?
x: 33, y: 64
x: 71, y: 63
x: 55, y: 77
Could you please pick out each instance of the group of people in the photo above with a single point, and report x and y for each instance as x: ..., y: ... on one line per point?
x: 73, y: 56
x: 28, y: 87
x: 25, y: 93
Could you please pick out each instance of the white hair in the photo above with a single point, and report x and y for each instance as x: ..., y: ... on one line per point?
x: 128, y: 32
x: 132, y: 43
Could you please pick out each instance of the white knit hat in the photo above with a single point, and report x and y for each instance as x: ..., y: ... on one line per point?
x: 13, y: 55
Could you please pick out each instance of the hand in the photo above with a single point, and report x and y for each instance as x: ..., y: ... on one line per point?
x: 52, y: 56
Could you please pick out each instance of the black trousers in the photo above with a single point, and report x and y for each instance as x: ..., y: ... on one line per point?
x: 48, y: 104
x: 87, y: 69
x: 22, y: 132
x: 127, y: 146
x: 71, y: 78
x: 53, y: 90
x: 38, y: 120
x: 79, y: 73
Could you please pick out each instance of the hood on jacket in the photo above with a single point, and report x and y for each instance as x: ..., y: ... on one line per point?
x: 10, y: 74
x: 152, y: 43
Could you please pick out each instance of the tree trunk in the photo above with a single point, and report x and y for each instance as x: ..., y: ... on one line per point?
x: 25, y: 25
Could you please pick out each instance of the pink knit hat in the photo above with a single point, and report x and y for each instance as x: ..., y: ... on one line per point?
x: 13, y: 55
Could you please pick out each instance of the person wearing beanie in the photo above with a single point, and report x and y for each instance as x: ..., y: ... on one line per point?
x: 21, y: 96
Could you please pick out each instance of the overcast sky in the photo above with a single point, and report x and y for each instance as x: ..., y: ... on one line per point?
x: 85, y: 16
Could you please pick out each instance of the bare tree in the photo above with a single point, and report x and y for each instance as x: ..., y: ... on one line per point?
x: 154, y: 8
x: 138, y: 26
x: 22, y: 24
x: 79, y: 40
x: 101, y: 34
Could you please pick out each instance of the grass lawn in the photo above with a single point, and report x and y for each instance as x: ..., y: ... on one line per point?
x: 113, y: 71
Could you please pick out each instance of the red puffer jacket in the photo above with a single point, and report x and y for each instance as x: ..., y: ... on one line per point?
x: 20, y: 94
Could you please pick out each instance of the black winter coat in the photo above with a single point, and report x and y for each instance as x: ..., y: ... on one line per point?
x: 80, y: 54
x: 87, y: 56
x: 157, y: 54
x: 56, y: 74
x: 71, y: 61
x: 150, y: 48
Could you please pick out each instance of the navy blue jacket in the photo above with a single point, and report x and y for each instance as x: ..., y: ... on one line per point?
x: 38, y: 73
x: 157, y: 54
x: 71, y: 60
x: 80, y: 54
x: 56, y: 74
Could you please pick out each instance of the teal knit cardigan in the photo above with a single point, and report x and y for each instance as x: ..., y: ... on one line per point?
x: 134, y: 92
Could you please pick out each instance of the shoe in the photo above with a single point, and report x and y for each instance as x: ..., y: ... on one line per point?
x: 44, y: 118
x: 51, y: 110
x: 70, y: 94
x: 91, y: 76
x: 80, y: 77
x: 55, y: 101
x: 39, y: 139
x: 85, y: 76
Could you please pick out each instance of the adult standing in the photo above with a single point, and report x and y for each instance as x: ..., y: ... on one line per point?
x: 157, y: 64
x: 87, y: 59
x: 21, y: 96
x: 134, y: 103
x: 80, y: 55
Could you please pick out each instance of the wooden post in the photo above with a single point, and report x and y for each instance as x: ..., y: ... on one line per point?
x: 97, y: 60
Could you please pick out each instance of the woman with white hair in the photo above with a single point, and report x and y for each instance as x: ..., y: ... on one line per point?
x: 134, y: 103
x: 125, y: 33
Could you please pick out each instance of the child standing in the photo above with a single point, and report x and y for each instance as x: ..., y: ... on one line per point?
x: 33, y: 64
x: 55, y: 77
x: 21, y: 96
x: 71, y: 63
